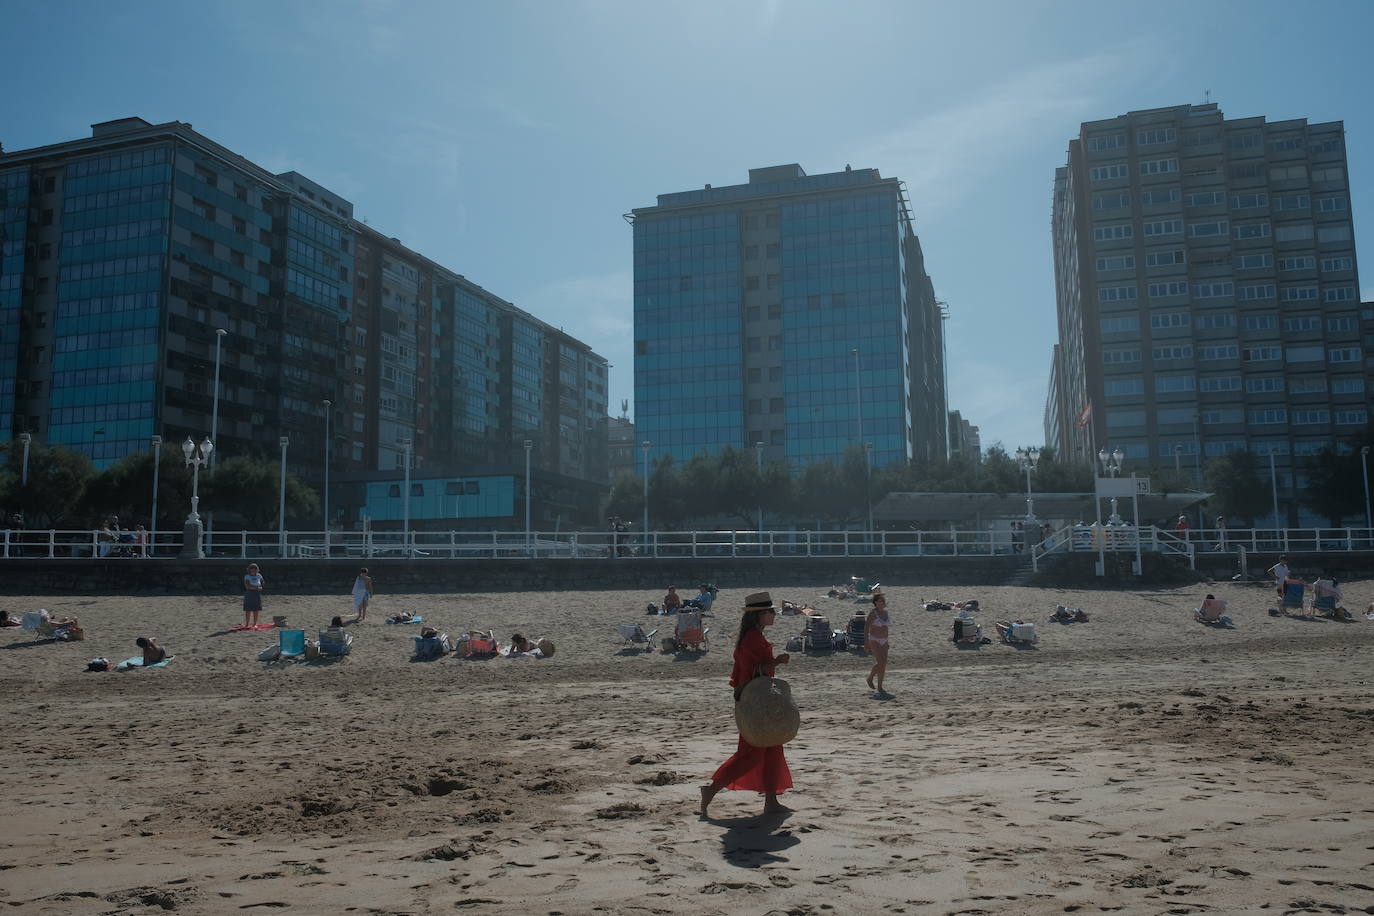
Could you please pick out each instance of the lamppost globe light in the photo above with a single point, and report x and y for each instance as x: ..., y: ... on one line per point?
x: 26, y: 438
x: 1119, y: 455
x: 206, y: 447
x: 188, y: 448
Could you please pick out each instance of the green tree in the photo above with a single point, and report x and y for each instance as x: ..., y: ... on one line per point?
x: 1237, y: 490
x: 57, y: 480
x: 125, y: 489
x: 250, y: 487
x: 1332, y: 481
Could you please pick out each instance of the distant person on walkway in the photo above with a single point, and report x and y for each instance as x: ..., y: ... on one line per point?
x: 362, y: 593
x: 141, y: 538
x: 252, y: 595
x: 1181, y: 526
x: 1221, y: 533
x: 106, y: 538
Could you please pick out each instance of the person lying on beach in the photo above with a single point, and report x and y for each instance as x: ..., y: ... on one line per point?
x: 9, y: 620
x: 519, y: 643
x: 152, y: 652
x: 402, y: 617
x: 1064, y: 614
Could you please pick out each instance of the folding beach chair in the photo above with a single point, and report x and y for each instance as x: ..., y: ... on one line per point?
x: 291, y: 643
x: 689, y: 633
x: 1017, y: 633
x: 856, y: 630
x: 1292, y: 597
x: 480, y: 645
x: 634, y: 634
x: 437, y: 645
x: 967, y: 631
x: 818, y: 636
x: 335, y: 641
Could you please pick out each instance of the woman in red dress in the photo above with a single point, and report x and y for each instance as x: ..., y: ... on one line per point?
x: 759, y: 769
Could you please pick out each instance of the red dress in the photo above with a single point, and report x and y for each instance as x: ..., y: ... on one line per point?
x: 759, y: 769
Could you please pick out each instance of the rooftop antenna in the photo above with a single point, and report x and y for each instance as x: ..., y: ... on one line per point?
x: 1208, y: 96
x: 624, y: 408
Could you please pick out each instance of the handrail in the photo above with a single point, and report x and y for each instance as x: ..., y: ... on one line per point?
x: 693, y: 544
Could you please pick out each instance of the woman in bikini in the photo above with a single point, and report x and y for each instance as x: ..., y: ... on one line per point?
x: 875, y: 640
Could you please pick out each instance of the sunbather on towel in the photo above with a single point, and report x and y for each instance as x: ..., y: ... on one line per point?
x: 519, y: 643
x: 152, y: 652
x: 9, y: 620
x: 402, y: 617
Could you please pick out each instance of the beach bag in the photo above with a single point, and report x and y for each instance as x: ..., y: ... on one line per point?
x: 546, y: 648
x: 270, y: 654
x: 98, y: 664
x: 766, y: 714
x: 279, y: 620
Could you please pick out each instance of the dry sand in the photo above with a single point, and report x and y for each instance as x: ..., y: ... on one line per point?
x: 1140, y: 763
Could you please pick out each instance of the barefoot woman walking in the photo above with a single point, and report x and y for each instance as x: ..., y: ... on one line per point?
x: 875, y: 640
x: 760, y: 769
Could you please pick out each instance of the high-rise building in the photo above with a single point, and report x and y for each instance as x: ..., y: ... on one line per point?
x: 125, y: 255
x: 793, y: 311
x: 964, y: 440
x: 1208, y: 292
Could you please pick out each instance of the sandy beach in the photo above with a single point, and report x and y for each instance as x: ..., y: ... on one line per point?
x: 1138, y: 763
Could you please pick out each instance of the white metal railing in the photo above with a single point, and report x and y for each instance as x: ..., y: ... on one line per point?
x: 59, y: 544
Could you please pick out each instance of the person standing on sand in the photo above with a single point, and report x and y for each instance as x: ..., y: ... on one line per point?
x: 875, y: 640
x: 1280, y: 573
x: 252, y: 595
x: 362, y: 593
x: 759, y: 769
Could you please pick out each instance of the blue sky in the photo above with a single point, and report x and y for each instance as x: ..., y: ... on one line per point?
x: 505, y: 139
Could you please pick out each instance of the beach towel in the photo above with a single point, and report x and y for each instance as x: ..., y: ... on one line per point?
x: 416, y: 619
x: 136, y: 661
x: 244, y: 628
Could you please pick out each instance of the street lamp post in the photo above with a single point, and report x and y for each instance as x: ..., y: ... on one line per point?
x: 868, y: 481
x: 281, y: 499
x: 645, y: 446
x: 214, y: 413
x: 1027, y: 459
x: 27, y: 440
x: 157, y: 466
x: 529, y: 444
x: 1274, y: 486
x: 193, y: 531
x: 758, y: 467
x: 1364, y: 467
x: 328, y: 443
x: 405, y: 503
x: 1111, y: 466
x: 858, y: 398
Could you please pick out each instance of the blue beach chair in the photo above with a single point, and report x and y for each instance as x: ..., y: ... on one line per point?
x: 291, y: 643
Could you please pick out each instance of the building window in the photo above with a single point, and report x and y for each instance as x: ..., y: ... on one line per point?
x: 751, y: 252
x: 1258, y: 291
x: 1339, y: 294
x: 1249, y: 201
x: 774, y: 281
x: 1310, y: 416
x: 1120, y: 262
x: 1219, y: 383
x: 1160, y: 196
x: 1302, y: 262
x: 1266, y: 416
x: 1299, y: 294
x: 1333, y: 234
x: 774, y: 250
x: 1116, y: 294
x: 1174, y: 384
x: 1164, y: 227
x: 1219, y: 227
x: 1330, y: 173
x: 1158, y: 166
x: 1108, y: 142
x: 1354, y: 416
x: 1343, y: 323
x: 1120, y: 325
x: 1159, y: 135
x: 1221, y: 351
x: 1308, y: 384
x: 775, y: 310
x: 1165, y: 258
x: 203, y: 210
x: 1171, y: 288
x: 775, y: 373
x: 1345, y: 355
x: 1264, y: 384
x: 1347, y: 386
x: 755, y: 376
x: 1181, y: 351
x: 1260, y: 322
x: 1120, y: 356
x: 775, y: 405
x: 1169, y: 320
x: 1254, y: 261
x: 1214, y: 321
x: 1262, y: 354
x: 1113, y: 233
x: 753, y: 313
x: 1285, y: 144
x: 1123, y: 387
x: 1288, y: 173
x: 1252, y: 231
x: 1107, y: 172
x: 1205, y: 198
x: 775, y: 342
x: 753, y: 345
x: 1335, y: 265
x: 751, y: 282
x: 1213, y: 290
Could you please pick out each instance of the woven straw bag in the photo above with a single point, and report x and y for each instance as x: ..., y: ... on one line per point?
x: 766, y: 714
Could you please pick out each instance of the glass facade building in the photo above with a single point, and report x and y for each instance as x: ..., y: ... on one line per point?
x: 153, y: 283
x: 793, y: 311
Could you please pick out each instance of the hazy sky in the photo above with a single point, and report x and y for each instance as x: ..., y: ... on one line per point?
x: 506, y: 139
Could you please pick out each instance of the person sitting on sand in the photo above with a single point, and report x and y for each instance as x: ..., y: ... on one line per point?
x: 152, y: 652
x: 672, y: 602
x: 1327, y: 594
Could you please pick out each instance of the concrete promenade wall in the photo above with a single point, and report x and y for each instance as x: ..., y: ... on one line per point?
x: 400, y: 576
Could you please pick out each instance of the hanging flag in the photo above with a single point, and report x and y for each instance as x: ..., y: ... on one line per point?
x: 1085, y: 415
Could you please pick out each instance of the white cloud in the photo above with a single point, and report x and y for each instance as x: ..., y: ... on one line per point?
x: 945, y: 154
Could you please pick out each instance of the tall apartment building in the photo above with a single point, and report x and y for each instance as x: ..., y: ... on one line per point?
x: 124, y: 252
x: 964, y: 440
x: 1208, y: 292
x: 750, y: 302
